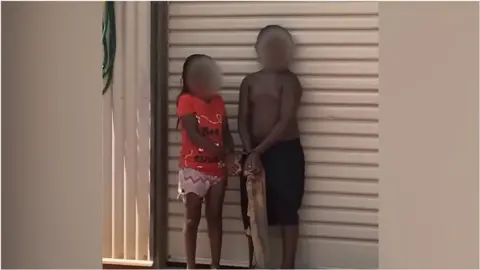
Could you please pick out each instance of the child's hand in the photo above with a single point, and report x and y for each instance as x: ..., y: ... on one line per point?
x: 232, y: 162
x: 253, y: 164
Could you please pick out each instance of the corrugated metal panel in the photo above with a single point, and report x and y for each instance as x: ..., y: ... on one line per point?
x: 127, y: 141
x: 337, y: 61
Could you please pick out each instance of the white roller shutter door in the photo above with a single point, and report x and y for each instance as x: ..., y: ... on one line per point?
x: 337, y: 62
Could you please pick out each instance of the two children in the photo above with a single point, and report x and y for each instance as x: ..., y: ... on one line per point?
x: 269, y: 101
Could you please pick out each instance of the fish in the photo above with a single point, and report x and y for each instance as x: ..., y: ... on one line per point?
x: 257, y: 213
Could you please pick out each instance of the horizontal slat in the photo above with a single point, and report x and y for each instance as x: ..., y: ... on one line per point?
x: 306, y: 229
x: 315, y: 155
x: 318, y: 112
x: 335, y: 156
x: 270, y: 8
x: 333, y: 127
x: 315, y: 126
x: 217, y: 38
x: 339, y: 142
x: 306, y: 214
x: 311, y: 185
x: 309, y: 200
x: 344, y: 187
x: 313, y: 141
x: 308, y: 82
x: 305, y: 67
x: 309, y: 97
x: 302, y: 52
x: 291, y: 23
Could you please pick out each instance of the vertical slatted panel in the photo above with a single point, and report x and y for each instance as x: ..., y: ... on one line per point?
x: 107, y: 174
x: 118, y: 90
x: 337, y: 62
x: 143, y: 115
x: 127, y: 141
x: 130, y: 182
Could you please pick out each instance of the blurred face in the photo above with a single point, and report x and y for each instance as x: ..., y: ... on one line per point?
x: 275, y: 50
x: 203, y: 77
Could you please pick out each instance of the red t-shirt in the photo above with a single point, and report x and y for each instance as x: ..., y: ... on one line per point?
x: 210, y: 123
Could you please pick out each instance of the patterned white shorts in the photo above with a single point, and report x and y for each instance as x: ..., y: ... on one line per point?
x: 191, y: 180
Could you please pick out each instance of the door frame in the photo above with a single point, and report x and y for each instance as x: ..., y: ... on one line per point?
x: 159, y: 134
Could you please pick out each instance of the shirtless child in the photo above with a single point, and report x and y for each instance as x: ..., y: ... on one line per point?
x: 269, y: 101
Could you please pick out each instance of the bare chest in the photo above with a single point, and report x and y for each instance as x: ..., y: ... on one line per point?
x: 266, y: 88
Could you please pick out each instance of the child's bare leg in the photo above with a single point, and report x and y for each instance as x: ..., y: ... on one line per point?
x: 193, y: 213
x: 250, y: 252
x: 213, y: 213
x: 290, y: 239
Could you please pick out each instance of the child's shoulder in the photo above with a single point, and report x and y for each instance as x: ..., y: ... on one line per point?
x: 250, y: 78
x: 219, y: 99
x: 290, y: 77
x: 186, y: 98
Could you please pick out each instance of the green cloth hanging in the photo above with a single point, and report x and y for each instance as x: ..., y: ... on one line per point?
x: 109, y: 41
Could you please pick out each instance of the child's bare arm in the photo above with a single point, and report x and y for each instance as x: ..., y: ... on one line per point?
x: 231, y: 161
x: 227, y: 137
x: 189, y: 122
x: 243, y: 115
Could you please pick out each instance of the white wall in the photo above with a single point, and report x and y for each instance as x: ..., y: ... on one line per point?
x: 51, y: 128
x: 429, y: 182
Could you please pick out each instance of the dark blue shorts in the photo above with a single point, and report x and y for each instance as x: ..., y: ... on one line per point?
x: 284, y: 165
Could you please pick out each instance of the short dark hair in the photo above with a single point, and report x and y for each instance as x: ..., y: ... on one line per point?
x: 269, y: 27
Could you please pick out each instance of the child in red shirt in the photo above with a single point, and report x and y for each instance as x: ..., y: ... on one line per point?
x: 206, y: 155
